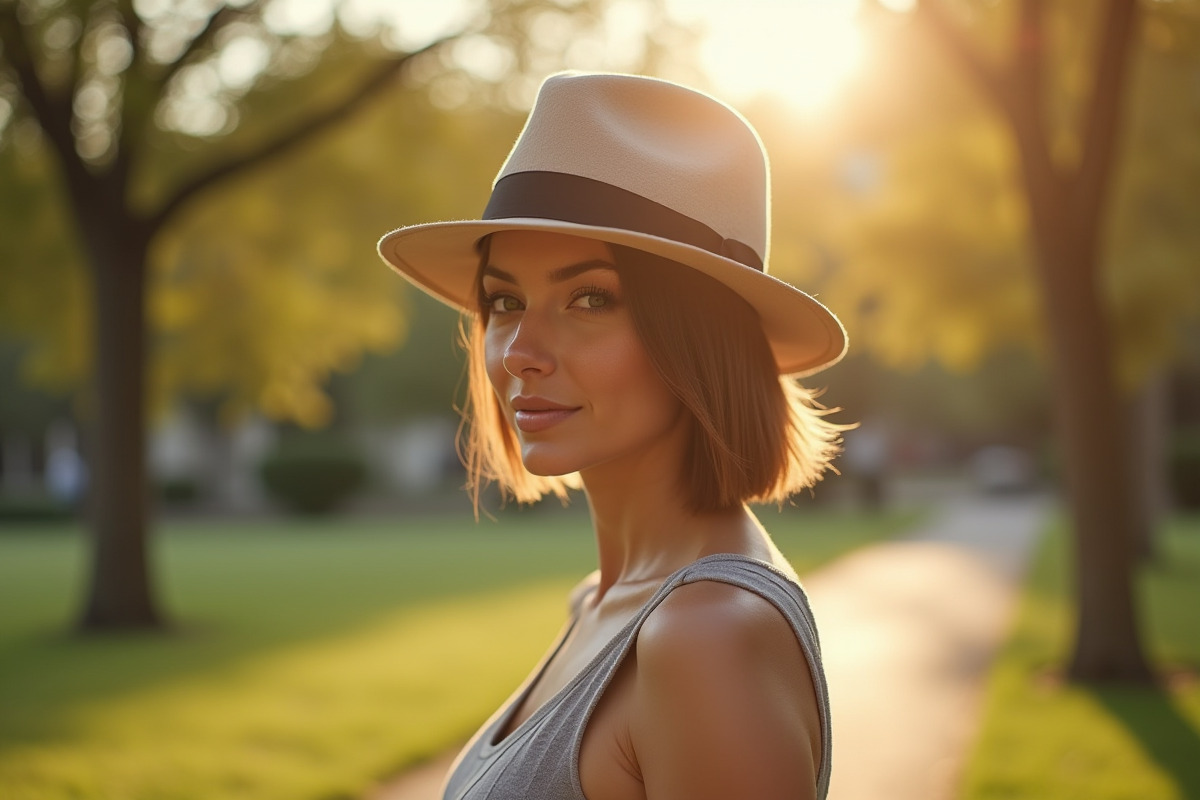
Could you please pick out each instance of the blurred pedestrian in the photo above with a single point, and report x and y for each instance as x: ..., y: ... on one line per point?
x: 866, y: 460
x: 66, y: 476
x: 625, y: 338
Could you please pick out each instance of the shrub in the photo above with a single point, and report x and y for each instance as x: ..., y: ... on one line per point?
x: 314, y: 473
x: 179, y: 491
x: 33, y: 508
x: 1185, y: 468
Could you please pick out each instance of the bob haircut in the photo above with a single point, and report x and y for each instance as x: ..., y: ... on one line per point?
x: 755, y: 436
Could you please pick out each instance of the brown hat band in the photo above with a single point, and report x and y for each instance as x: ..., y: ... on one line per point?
x: 585, y: 201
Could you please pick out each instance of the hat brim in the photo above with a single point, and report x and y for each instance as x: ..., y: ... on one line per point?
x: 441, y: 258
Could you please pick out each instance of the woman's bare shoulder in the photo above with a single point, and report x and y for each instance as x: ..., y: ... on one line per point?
x: 721, y: 681
x: 709, y: 616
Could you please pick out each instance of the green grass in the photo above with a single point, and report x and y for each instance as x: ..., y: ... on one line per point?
x: 1043, y: 739
x: 306, y: 660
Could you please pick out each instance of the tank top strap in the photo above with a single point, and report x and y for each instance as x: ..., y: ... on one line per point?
x: 773, y: 585
x: 765, y: 580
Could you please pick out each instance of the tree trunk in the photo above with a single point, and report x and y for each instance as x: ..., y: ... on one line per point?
x: 1067, y: 207
x: 1092, y: 434
x: 119, y: 595
x: 1149, y: 425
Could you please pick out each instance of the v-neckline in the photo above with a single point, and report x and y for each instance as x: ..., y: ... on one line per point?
x: 491, y: 744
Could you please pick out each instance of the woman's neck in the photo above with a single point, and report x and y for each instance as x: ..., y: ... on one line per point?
x: 645, y: 529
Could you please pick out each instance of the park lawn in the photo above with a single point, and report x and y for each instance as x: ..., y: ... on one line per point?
x: 306, y: 659
x: 1043, y: 739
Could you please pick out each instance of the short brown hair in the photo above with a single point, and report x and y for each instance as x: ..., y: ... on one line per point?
x: 755, y: 436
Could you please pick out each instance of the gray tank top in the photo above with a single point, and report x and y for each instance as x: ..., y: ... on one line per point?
x: 540, y: 759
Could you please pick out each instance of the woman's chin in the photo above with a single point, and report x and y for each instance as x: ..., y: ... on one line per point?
x: 548, y: 471
x: 547, y: 465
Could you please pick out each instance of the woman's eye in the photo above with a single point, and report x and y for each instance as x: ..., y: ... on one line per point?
x: 591, y: 299
x: 503, y: 303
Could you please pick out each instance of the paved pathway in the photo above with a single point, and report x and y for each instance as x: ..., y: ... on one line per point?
x: 908, y: 631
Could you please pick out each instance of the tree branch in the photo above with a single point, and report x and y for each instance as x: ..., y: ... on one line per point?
x: 1043, y: 180
x: 218, y: 21
x: 292, y: 137
x: 992, y: 80
x: 75, y: 75
x: 53, y: 113
x: 1101, y: 122
x: 137, y: 98
x: 1016, y: 90
x: 1028, y: 64
x: 133, y: 29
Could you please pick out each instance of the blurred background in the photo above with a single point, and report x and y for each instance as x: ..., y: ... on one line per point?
x: 254, y: 168
x: 227, y: 456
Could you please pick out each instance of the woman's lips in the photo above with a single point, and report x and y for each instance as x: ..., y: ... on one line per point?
x: 535, y: 420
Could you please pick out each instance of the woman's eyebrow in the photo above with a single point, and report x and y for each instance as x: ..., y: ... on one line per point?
x: 571, y: 270
x: 555, y: 275
x: 496, y: 272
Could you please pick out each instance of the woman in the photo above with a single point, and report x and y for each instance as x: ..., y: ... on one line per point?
x: 624, y: 337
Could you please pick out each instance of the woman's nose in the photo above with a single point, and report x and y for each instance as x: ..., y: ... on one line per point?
x: 528, y: 351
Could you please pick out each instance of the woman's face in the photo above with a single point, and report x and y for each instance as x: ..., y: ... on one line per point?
x: 565, y: 359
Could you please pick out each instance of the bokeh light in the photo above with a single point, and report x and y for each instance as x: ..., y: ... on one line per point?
x: 800, y: 51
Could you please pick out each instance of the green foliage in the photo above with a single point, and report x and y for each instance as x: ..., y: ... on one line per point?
x: 422, y: 378
x: 35, y: 508
x: 179, y: 492
x: 22, y: 409
x: 1003, y: 399
x: 286, y: 258
x: 1152, y: 240
x: 940, y: 255
x: 906, y: 208
x: 263, y: 292
x: 266, y: 284
x: 307, y: 664
x: 44, y: 295
x: 1184, y: 468
x: 314, y: 473
x: 1041, y: 738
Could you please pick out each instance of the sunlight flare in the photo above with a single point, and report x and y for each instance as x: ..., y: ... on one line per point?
x: 800, y: 51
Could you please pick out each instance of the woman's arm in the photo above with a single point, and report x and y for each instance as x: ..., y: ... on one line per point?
x: 724, y: 704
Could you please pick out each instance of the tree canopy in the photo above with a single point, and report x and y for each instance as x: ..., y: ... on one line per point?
x: 129, y: 125
x: 913, y: 195
x: 268, y: 283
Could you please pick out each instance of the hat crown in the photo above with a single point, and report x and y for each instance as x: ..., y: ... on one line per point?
x: 672, y: 145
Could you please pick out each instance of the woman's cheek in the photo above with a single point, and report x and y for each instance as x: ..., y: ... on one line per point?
x: 493, y: 358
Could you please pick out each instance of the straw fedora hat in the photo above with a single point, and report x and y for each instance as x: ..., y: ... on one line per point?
x: 644, y: 163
